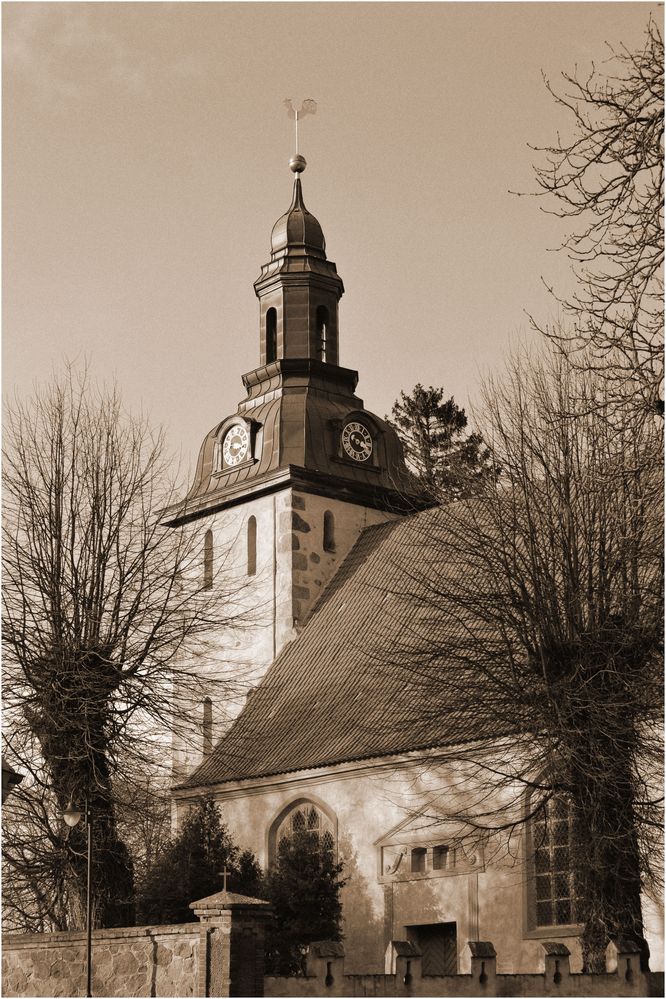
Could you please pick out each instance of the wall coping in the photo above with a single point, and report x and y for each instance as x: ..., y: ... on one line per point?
x: 63, y: 938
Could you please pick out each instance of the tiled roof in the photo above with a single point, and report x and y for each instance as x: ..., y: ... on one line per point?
x: 351, y: 686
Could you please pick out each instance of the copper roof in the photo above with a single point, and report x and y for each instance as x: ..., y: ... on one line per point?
x: 300, y: 406
x: 297, y: 227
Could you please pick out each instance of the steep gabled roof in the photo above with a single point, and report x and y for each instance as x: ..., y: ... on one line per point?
x: 347, y: 688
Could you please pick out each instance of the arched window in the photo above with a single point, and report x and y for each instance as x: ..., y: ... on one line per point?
x: 329, y: 532
x: 271, y: 336
x: 303, y: 816
x: 552, y: 885
x: 208, y: 561
x: 251, y: 546
x: 322, y: 333
x: 207, y: 726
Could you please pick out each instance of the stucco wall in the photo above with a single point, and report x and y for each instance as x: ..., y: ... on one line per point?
x: 602, y: 986
x: 371, y: 804
x: 141, y: 961
x: 269, y: 607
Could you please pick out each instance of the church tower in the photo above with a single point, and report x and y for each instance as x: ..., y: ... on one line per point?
x: 285, y: 485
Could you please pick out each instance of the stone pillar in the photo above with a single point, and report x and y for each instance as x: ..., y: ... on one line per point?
x: 623, y: 956
x: 403, y: 959
x: 484, y: 967
x: 231, y: 944
x: 325, y: 961
x: 556, y: 965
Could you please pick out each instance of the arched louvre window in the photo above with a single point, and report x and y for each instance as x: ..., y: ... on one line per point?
x: 208, y: 561
x: 251, y: 546
x: 322, y: 333
x: 553, y: 882
x: 306, y: 817
x: 271, y: 336
x: 329, y: 532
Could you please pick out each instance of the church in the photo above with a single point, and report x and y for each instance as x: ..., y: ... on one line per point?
x: 305, y: 497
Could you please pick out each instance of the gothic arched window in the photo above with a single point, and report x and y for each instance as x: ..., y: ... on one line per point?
x: 251, y: 546
x: 329, y: 532
x: 208, y: 561
x: 303, y: 816
x: 552, y: 886
x: 322, y: 333
x: 271, y: 336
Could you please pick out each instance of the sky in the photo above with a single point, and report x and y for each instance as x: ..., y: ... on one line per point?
x: 145, y: 159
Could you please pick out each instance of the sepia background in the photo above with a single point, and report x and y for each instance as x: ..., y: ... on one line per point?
x: 145, y: 162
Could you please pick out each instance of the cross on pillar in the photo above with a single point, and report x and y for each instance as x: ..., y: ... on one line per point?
x: 224, y: 875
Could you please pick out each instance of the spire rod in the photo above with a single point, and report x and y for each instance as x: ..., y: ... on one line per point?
x: 298, y: 163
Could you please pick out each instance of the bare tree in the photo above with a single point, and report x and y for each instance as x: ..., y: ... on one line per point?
x: 532, y: 632
x: 105, y: 614
x: 609, y: 177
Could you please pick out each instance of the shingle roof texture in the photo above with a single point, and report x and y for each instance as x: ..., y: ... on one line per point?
x: 347, y: 688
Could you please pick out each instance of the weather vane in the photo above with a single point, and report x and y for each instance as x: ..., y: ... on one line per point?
x: 298, y: 162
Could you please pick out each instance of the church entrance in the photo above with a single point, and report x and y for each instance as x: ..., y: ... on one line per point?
x: 439, y: 947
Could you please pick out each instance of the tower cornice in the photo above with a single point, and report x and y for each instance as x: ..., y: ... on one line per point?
x: 297, y: 371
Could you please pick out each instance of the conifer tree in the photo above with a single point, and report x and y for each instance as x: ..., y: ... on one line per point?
x: 191, y: 865
x: 448, y: 462
x: 304, y: 889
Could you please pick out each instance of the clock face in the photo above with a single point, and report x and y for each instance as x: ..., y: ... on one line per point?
x: 236, y: 445
x: 357, y: 441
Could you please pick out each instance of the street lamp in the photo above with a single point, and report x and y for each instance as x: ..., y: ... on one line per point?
x: 72, y: 817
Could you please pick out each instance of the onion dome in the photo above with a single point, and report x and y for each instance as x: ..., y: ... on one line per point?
x: 297, y: 228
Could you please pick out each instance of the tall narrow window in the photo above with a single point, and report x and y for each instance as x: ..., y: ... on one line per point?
x: 554, y: 888
x: 322, y: 332
x: 208, y: 561
x: 329, y: 532
x: 252, y: 546
x: 207, y: 726
x: 271, y: 336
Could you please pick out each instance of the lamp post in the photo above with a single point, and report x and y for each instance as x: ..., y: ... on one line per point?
x: 72, y: 817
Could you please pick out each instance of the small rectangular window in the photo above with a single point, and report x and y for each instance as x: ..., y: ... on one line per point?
x: 440, y: 858
x: 418, y: 860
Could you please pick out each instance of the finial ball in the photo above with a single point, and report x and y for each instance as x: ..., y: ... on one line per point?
x: 297, y: 163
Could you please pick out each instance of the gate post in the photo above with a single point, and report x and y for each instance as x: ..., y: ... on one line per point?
x: 231, y: 944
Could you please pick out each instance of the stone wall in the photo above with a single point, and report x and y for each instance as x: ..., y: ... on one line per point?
x: 222, y: 955
x: 140, y: 961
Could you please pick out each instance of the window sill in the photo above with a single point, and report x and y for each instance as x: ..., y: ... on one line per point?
x: 554, y: 932
x: 450, y: 872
